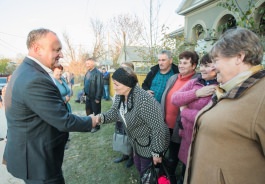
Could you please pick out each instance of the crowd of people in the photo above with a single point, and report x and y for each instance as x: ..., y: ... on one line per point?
x: 209, y: 120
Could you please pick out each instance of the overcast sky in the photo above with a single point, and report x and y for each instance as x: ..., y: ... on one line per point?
x: 19, y: 17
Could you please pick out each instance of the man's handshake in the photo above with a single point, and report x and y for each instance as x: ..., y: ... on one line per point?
x: 95, y: 120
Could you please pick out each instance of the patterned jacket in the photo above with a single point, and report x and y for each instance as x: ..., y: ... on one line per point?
x: 145, y: 126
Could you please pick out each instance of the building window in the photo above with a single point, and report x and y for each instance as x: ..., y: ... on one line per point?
x: 226, y: 22
x: 198, y: 32
x: 261, y: 19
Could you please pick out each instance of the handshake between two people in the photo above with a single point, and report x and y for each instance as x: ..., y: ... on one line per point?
x: 95, y: 120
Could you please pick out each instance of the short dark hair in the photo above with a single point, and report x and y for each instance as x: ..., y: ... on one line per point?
x: 205, y: 59
x: 192, y: 55
x: 91, y: 58
x: 57, y: 65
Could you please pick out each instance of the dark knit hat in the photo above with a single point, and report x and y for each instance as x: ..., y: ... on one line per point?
x: 122, y: 76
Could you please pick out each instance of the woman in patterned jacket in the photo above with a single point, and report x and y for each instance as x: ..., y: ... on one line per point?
x: 142, y: 117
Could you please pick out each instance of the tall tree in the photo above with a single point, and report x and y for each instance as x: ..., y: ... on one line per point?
x: 98, y: 50
x: 74, y: 56
x: 3, y: 65
x: 125, y: 28
x: 69, y: 52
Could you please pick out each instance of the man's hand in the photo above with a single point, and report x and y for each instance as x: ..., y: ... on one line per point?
x: 94, y: 120
x: 98, y: 118
x: 97, y: 101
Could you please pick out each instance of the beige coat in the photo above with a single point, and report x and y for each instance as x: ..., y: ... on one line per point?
x: 229, y: 139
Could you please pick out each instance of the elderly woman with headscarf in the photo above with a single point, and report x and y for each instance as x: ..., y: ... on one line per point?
x: 142, y: 117
x: 229, y: 134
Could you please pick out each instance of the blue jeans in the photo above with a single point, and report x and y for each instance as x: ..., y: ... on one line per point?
x: 106, y: 92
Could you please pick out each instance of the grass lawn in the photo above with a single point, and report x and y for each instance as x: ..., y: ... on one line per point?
x: 89, y: 158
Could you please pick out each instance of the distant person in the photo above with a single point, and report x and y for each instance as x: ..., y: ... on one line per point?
x: 70, y: 80
x: 71, y: 83
x: 188, y: 61
x: 228, y: 143
x: 62, y: 85
x: 106, y: 76
x: 3, y: 122
x: 3, y: 127
x: 93, y: 88
x: 156, y: 79
x: 79, y: 96
x: 37, y: 117
x: 190, y: 99
x: 142, y: 117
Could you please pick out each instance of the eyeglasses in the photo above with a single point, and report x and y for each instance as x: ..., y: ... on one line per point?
x: 162, y: 59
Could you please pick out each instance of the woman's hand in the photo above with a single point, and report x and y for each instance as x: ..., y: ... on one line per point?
x: 205, y: 91
x: 67, y: 98
x: 182, y: 107
x: 157, y: 160
x: 152, y: 93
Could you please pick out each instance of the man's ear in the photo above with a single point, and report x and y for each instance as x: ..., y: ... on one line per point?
x: 36, y: 48
x: 171, y: 60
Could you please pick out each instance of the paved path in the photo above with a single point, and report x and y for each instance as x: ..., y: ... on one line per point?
x: 6, y: 177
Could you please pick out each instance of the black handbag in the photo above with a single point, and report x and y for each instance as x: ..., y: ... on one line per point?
x: 156, y: 174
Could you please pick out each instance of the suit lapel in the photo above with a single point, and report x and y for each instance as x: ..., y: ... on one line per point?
x: 37, y: 67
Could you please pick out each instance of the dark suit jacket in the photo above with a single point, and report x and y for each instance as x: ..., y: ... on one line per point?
x: 38, y: 124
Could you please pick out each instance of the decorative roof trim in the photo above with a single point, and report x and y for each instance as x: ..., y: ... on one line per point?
x: 197, y: 5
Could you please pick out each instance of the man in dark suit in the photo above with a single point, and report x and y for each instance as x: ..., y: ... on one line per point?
x: 37, y: 117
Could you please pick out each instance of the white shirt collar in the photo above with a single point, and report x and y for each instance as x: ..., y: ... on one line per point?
x: 48, y: 70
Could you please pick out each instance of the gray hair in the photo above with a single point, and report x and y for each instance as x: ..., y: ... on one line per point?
x: 167, y: 52
x: 234, y: 41
x: 36, y: 34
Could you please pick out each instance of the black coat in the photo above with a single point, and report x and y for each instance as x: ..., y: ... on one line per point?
x: 150, y: 76
x: 95, y: 87
x: 38, y: 124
